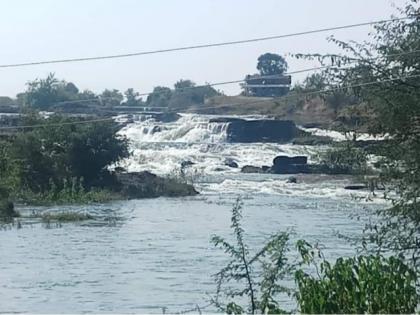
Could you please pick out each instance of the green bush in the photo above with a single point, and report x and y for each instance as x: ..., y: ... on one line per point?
x: 65, y: 216
x: 63, y: 150
x: 7, y: 210
x: 364, y: 284
x: 344, y: 158
x: 260, y: 288
x: 68, y: 192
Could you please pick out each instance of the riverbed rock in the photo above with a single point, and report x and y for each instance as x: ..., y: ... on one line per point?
x: 186, y: 163
x: 148, y: 185
x: 290, y: 165
x: 265, y: 130
x: 156, y: 129
x: 355, y: 187
x: 291, y: 180
x: 231, y: 163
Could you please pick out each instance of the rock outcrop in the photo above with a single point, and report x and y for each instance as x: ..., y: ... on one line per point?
x: 147, y: 185
x: 290, y: 165
x: 279, y: 131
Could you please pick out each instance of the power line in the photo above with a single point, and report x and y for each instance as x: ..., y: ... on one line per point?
x: 228, y: 105
x: 236, y: 42
x: 99, y: 99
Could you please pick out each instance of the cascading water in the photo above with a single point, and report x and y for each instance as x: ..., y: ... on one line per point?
x: 162, y: 147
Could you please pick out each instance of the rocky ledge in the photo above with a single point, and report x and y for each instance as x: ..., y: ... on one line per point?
x: 147, y: 185
x: 292, y: 165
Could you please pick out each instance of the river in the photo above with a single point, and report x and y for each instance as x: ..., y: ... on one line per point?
x: 146, y: 255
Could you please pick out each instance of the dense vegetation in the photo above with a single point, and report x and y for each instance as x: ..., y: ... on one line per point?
x: 379, y: 92
x: 387, y: 72
x: 54, y: 94
x: 254, y: 282
x: 61, y: 159
x: 271, y: 69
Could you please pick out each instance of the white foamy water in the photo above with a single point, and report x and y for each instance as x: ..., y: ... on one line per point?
x: 162, y: 147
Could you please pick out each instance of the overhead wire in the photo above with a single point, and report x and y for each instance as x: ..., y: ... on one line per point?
x: 99, y: 99
x: 228, y: 105
x: 227, y: 43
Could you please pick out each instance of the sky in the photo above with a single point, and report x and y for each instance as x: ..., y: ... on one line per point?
x: 51, y: 29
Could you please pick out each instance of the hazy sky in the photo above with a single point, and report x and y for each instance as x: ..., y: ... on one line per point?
x: 51, y: 29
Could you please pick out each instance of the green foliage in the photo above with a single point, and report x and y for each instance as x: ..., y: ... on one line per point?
x: 68, y: 192
x: 185, y: 94
x: 159, y: 97
x: 261, y: 292
x: 68, y: 216
x: 111, y: 98
x: 61, y: 161
x: 391, y: 108
x: 271, y: 64
x: 44, y: 93
x: 365, y: 284
x: 7, y: 210
x: 132, y: 98
x: 65, y: 151
x: 345, y: 158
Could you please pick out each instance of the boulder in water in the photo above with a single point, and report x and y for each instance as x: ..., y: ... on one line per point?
x: 156, y: 129
x: 290, y: 165
x: 231, y: 163
x: 148, y: 185
x: 265, y: 130
x: 292, y: 180
x: 186, y: 163
x: 355, y: 187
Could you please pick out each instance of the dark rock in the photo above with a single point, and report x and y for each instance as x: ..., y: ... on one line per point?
x: 166, y: 117
x: 148, y: 185
x: 261, y: 131
x: 312, y: 125
x: 156, y: 129
x: 290, y: 165
x: 231, y: 163
x: 292, y: 180
x: 266, y: 168
x: 355, y: 187
x: 186, y: 163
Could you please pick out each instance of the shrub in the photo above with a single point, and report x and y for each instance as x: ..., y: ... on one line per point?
x: 261, y: 292
x: 65, y: 216
x: 7, y: 210
x: 364, y: 284
x: 344, y: 158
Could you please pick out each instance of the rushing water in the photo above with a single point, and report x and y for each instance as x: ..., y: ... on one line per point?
x: 143, y: 255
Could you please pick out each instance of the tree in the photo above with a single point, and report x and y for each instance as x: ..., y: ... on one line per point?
x: 159, y: 97
x: 386, y: 74
x: 261, y: 292
x: 64, y: 151
x: 271, y: 64
x: 132, y: 98
x: 44, y: 94
x: 187, y: 93
x: 111, y: 98
x: 184, y: 84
